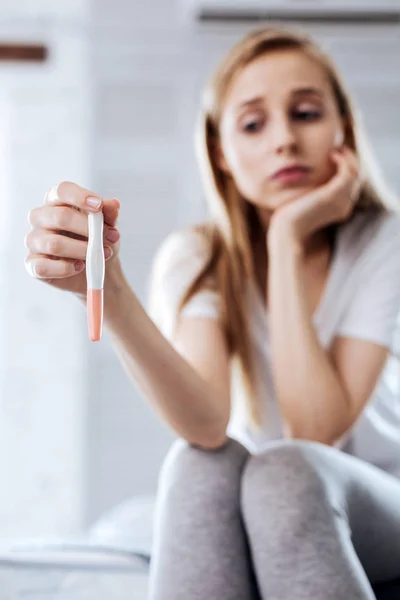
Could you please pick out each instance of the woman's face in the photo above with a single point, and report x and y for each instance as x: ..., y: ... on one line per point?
x: 279, y: 111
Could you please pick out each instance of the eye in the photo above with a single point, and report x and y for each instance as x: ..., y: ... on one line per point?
x: 307, y: 115
x: 252, y: 126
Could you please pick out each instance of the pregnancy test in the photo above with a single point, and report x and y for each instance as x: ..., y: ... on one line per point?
x: 95, y: 269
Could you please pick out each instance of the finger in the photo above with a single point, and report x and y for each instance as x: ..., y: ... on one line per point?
x: 46, y: 267
x: 355, y: 177
x: 348, y: 179
x: 355, y: 190
x: 352, y: 159
x: 67, y: 221
x: 43, y: 267
x: 342, y: 177
x: 52, y: 244
x: 68, y: 193
x: 59, y: 218
x: 111, y: 211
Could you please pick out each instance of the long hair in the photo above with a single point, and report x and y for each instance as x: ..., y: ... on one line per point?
x: 233, y: 226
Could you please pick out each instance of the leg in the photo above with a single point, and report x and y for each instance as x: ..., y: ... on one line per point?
x: 200, y: 549
x: 321, y: 523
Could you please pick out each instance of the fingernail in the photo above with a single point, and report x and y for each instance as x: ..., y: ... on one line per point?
x: 93, y: 202
x: 79, y: 264
x: 108, y: 252
x: 112, y: 235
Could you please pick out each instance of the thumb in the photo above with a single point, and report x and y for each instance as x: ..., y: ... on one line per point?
x: 110, y: 210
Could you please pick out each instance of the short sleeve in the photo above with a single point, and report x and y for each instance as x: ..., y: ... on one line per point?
x: 177, y: 263
x: 373, y: 312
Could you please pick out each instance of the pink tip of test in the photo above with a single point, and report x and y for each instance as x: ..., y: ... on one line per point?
x: 95, y: 314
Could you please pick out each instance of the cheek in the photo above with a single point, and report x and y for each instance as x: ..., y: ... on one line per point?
x: 246, y: 164
x: 325, y: 168
x: 319, y: 147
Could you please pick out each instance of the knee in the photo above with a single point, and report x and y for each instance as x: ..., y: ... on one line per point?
x: 287, y: 486
x: 209, y: 474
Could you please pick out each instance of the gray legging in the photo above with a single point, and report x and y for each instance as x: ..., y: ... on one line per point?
x: 302, y: 521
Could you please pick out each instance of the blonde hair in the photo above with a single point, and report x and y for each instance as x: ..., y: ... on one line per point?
x: 233, y: 225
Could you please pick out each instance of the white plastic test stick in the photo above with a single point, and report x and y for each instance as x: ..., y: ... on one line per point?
x: 95, y: 269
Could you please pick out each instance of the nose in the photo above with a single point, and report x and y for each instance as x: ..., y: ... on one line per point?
x: 281, y: 135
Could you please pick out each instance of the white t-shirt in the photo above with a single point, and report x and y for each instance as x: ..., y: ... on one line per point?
x: 361, y: 300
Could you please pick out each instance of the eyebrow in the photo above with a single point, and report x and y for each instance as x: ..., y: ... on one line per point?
x: 296, y: 92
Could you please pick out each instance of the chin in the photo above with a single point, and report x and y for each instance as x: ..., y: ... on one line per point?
x: 285, y: 196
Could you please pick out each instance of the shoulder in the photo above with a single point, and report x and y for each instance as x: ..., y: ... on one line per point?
x: 179, y: 261
x: 182, y: 244
x: 370, y: 235
x: 181, y: 255
x: 370, y: 261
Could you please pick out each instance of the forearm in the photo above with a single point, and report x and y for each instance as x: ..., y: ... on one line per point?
x: 176, y: 391
x: 311, y: 398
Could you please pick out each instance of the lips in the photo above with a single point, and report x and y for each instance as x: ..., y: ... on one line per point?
x: 291, y: 170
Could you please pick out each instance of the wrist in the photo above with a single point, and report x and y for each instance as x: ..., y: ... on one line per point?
x: 114, y: 277
x: 114, y: 284
x: 281, y: 237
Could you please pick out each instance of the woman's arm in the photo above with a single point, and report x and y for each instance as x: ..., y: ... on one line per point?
x: 318, y: 401
x: 188, y: 388
x: 321, y: 393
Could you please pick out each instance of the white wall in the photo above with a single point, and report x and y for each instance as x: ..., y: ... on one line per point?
x: 113, y: 110
x: 43, y: 386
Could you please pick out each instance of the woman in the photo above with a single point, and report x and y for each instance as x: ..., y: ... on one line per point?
x: 276, y: 323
